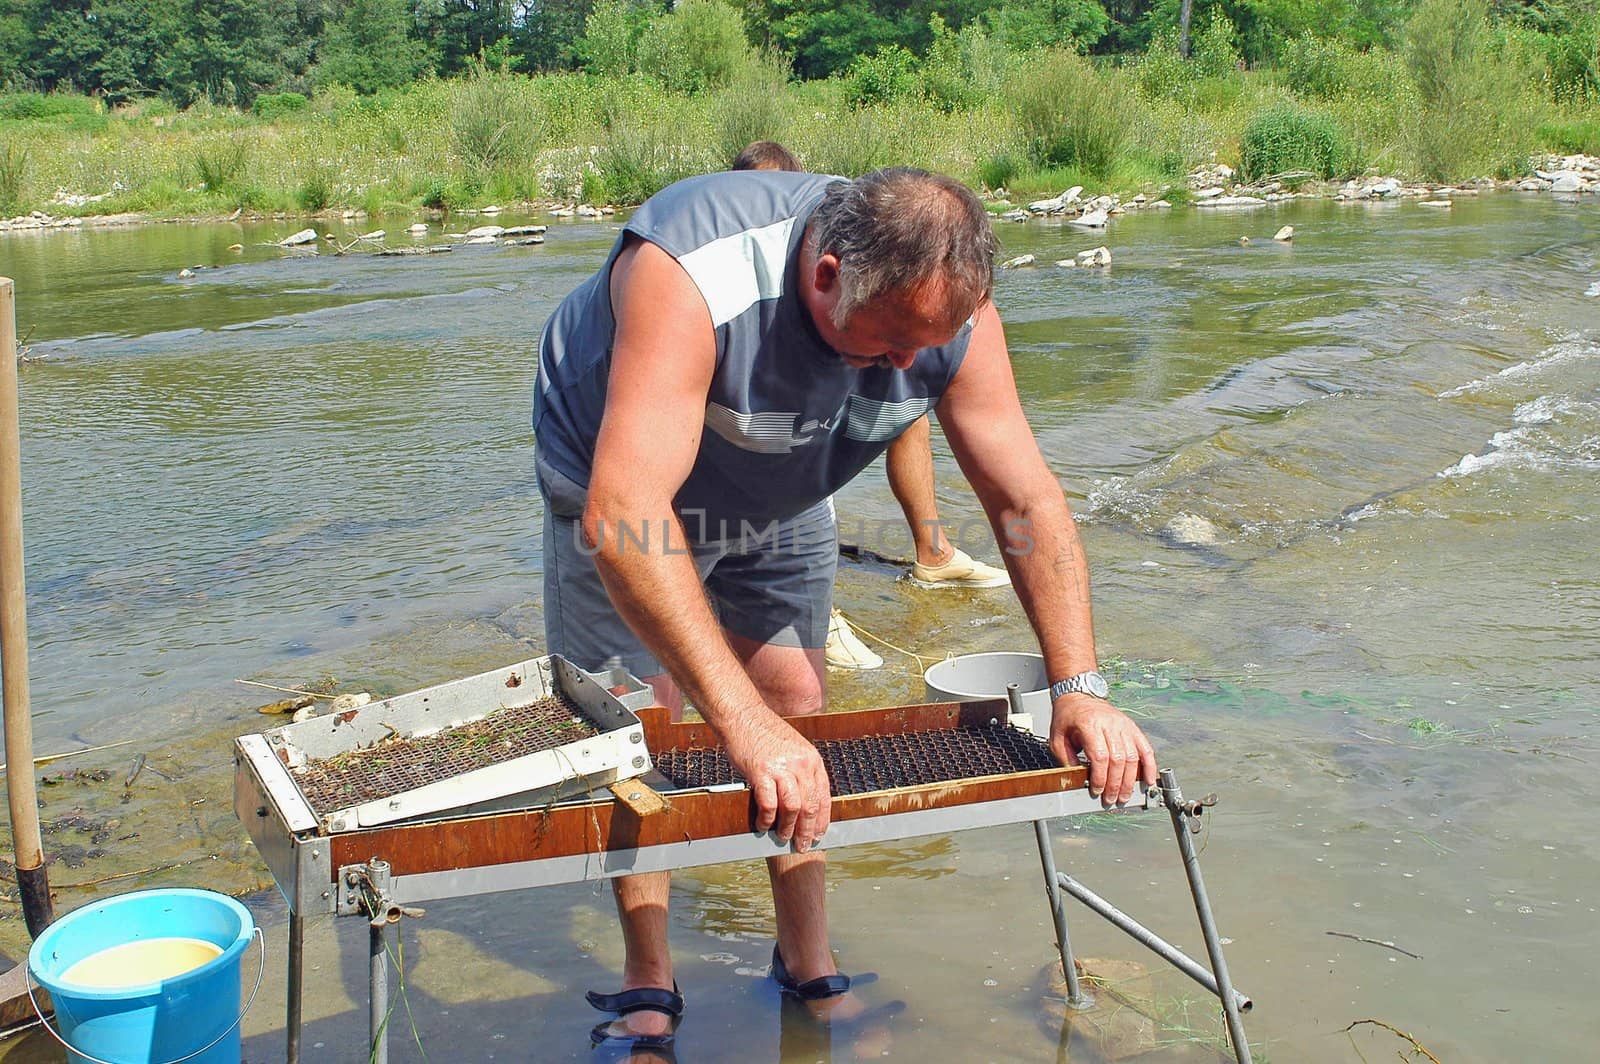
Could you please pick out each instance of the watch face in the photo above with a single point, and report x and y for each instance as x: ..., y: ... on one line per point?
x: 1095, y: 684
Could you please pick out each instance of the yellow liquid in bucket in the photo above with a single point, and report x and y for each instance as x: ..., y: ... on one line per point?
x: 143, y: 961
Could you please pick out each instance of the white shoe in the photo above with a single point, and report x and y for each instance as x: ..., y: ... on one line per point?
x: 844, y: 649
x: 959, y: 571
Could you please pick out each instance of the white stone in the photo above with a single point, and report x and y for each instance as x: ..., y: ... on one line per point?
x: 1208, y: 193
x: 587, y: 211
x: 348, y: 702
x: 1435, y: 203
x: 487, y: 238
x: 1568, y: 181
x: 1225, y: 172
x: 561, y: 212
x: 1191, y: 530
x: 1020, y: 260
x: 1233, y: 201
x: 304, y: 236
x: 1018, y: 215
x: 1100, y: 256
x: 1284, y: 235
x: 1066, y: 262
x: 185, y: 274
x: 418, y: 228
x: 486, y: 230
x: 375, y: 235
x: 1140, y: 198
x: 1091, y: 220
x: 1161, y: 205
x: 491, y: 210
x: 525, y: 230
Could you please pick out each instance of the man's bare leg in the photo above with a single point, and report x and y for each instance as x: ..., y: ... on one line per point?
x: 793, y: 681
x: 910, y: 464
x: 642, y: 910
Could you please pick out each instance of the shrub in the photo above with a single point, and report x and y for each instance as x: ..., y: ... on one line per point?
x: 13, y: 176
x: 1069, y: 114
x: 853, y: 147
x: 888, y: 74
x: 1316, y: 66
x: 1285, y: 139
x: 316, y: 189
x: 23, y: 105
x: 219, y: 161
x: 998, y: 170
x: 1213, y: 53
x: 962, y: 70
x: 1575, y: 135
x: 636, y: 162
x: 753, y: 106
x: 274, y: 105
x: 612, y: 33
x: 492, y: 121
x: 698, y: 46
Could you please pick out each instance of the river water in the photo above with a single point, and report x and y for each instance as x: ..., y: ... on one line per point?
x: 1340, y: 499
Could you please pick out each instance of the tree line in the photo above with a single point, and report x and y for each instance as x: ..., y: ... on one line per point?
x: 231, y: 51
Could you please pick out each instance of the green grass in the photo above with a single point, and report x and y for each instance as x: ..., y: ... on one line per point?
x: 507, y: 138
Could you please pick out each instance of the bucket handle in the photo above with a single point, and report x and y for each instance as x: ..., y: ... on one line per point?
x: 27, y: 978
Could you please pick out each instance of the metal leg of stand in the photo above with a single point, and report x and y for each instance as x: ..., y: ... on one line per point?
x: 378, y: 990
x: 1173, y: 799
x: 1076, y: 998
x: 297, y: 959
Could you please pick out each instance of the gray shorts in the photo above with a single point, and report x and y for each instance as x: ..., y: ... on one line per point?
x: 772, y: 583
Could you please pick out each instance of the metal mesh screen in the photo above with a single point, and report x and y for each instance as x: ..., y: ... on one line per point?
x: 884, y: 762
x: 397, y: 765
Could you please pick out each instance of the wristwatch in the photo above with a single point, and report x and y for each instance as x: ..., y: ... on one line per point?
x: 1088, y: 683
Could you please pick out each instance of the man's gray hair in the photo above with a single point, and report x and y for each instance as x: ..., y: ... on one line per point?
x: 896, y: 229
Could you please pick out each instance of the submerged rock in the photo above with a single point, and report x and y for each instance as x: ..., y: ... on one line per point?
x: 1191, y: 530
x: 486, y: 230
x: 1020, y: 260
x: 304, y: 236
x: 1284, y: 235
x: 1100, y: 256
x: 418, y: 228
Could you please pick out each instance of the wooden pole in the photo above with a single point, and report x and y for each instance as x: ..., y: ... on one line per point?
x: 32, y: 878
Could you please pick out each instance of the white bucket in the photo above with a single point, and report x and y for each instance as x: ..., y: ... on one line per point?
x: 974, y: 676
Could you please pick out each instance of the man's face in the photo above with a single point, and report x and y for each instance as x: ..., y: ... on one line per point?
x: 887, y: 332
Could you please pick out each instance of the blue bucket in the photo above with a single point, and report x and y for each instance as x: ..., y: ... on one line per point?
x: 191, y: 1017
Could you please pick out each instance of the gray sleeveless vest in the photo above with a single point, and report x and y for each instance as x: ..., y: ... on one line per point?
x: 787, y: 422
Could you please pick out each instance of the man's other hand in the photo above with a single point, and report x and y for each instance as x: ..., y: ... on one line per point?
x: 786, y: 776
x: 1119, y: 755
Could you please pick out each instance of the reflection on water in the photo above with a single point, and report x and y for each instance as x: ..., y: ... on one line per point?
x: 1340, y: 497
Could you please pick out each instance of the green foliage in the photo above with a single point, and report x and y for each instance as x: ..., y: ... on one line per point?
x: 38, y: 105
x: 863, y: 141
x: 271, y: 106
x: 1570, y: 137
x: 611, y: 37
x: 636, y: 162
x: 962, y: 70
x: 1286, y: 139
x: 371, y: 47
x: 1026, y: 25
x: 13, y: 176
x: 1071, y: 115
x: 1475, y: 109
x: 998, y: 170
x: 219, y: 161
x: 888, y: 74
x: 1213, y: 53
x: 316, y: 189
x: 699, y: 46
x: 494, y: 120
x: 754, y: 106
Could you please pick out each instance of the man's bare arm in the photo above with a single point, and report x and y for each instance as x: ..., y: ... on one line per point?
x: 662, y: 361
x: 983, y: 419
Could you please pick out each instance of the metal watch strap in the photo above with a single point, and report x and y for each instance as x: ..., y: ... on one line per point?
x: 1081, y: 683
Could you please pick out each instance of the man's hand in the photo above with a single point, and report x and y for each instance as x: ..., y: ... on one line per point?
x: 1119, y: 754
x: 786, y: 777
